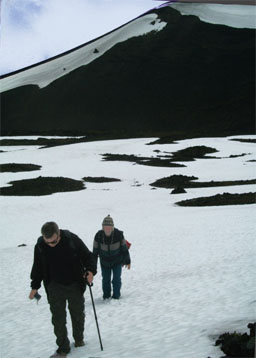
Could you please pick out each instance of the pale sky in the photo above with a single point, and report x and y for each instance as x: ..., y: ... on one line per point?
x: 34, y: 30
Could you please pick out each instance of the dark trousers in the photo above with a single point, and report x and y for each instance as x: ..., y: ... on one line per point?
x: 116, y: 281
x: 58, y: 296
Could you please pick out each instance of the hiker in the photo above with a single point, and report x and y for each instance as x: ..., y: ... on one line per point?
x: 109, y: 244
x: 64, y: 263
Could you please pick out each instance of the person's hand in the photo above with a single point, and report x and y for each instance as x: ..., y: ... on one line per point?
x: 128, y: 266
x: 89, y: 277
x: 32, y: 294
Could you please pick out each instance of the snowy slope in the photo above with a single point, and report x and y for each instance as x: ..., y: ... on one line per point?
x: 45, y: 73
x: 192, y: 268
x: 237, y: 16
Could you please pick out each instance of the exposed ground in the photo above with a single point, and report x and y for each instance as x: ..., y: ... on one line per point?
x: 41, y: 186
x: 184, y: 181
x: 99, y: 179
x: 221, y: 199
x: 18, y: 167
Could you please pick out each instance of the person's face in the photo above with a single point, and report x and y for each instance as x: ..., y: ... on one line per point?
x: 108, y: 229
x: 52, y: 241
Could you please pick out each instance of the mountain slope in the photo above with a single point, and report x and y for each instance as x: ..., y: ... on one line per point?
x: 190, y: 77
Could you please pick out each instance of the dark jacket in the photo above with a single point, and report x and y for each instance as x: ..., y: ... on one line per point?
x: 80, y: 258
x: 112, y: 249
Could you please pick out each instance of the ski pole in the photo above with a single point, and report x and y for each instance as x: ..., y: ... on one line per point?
x: 95, y: 315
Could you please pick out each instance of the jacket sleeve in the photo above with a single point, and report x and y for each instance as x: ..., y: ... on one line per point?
x: 87, y: 257
x: 37, y: 270
x: 125, y: 252
x: 95, y: 249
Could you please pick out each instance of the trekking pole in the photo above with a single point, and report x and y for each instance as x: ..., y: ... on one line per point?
x: 90, y: 288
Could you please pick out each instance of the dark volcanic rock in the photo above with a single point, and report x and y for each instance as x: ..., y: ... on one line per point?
x: 186, y: 182
x: 237, y: 344
x: 174, y: 181
x: 18, y: 167
x: 44, y: 142
x: 155, y: 162
x: 41, y: 186
x: 178, y: 190
x: 99, y: 179
x: 191, y: 77
x: 190, y: 153
x: 243, y: 140
x: 221, y: 199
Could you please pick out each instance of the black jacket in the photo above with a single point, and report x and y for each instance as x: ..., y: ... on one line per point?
x: 112, y: 249
x: 80, y: 258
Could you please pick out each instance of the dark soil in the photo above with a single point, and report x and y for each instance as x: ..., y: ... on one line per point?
x: 42, y: 186
x: 221, y: 199
x: 100, y: 179
x: 186, y: 182
x: 17, y: 167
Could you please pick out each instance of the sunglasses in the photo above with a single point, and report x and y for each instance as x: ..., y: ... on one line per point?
x: 52, y: 242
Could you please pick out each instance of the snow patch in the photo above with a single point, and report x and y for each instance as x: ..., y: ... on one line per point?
x: 238, y: 16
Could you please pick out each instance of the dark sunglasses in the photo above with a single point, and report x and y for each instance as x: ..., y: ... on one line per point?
x: 51, y: 242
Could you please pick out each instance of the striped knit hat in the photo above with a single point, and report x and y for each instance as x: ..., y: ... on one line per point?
x: 108, y: 221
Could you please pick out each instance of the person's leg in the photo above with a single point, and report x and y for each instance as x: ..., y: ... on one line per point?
x: 57, y: 301
x: 117, y: 283
x: 106, y: 281
x: 76, y: 309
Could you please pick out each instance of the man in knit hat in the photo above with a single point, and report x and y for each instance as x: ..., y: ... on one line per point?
x: 110, y: 246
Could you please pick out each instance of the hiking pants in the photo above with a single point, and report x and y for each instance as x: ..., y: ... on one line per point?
x: 58, y: 295
x: 116, y: 281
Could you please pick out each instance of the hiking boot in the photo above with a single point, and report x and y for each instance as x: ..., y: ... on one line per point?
x: 79, y: 344
x: 106, y: 297
x: 115, y: 297
x: 59, y: 355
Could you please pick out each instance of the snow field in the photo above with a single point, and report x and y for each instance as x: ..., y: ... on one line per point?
x: 192, y: 275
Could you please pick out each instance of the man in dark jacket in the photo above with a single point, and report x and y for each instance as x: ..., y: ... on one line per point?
x: 109, y: 244
x: 63, y: 263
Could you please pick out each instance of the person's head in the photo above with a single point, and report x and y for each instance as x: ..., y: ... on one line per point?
x: 51, y: 233
x: 108, y: 225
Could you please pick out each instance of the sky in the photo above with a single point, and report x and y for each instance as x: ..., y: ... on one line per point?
x: 34, y: 30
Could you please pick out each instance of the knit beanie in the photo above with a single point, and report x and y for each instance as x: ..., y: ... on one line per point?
x: 108, y: 221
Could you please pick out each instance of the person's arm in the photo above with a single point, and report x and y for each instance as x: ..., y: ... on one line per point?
x: 95, y: 249
x: 36, y: 274
x: 125, y: 253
